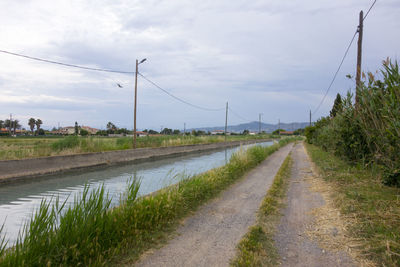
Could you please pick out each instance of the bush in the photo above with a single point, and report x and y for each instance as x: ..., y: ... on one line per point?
x: 369, y: 133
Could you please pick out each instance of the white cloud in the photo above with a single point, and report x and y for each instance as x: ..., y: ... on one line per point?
x: 264, y: 56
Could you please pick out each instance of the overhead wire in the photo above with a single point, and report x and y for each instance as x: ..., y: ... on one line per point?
x: 178, y: 98
x: 65, y: 64
x: 239, y: 116
x: 341, y: 62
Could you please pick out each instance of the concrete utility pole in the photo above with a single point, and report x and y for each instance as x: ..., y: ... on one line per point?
x: 310, y: 117
x: 226, y: 120
x: 184, y: 128
x: 134, y: 115
x: 259, y: 123
x: 359, y: 55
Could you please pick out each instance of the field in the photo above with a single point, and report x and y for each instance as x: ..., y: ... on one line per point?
x: 32, y: 147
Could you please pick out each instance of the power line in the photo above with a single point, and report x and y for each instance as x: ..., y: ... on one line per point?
x: 341, y: 63
x: 180, y: 99
x: 65, y: 64
x: 336, y: 73
x: 369, y: 10
x: 239, y: 116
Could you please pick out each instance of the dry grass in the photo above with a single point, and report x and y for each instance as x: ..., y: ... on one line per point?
x: 361, y: 215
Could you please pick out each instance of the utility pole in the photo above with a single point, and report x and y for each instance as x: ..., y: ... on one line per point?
x: 310, y: 117
x: 10, y: 123
x: 184, y: 128
x: 259, y: 123
x: 134, y: 115
x: 359, y: 55
x: 279, y: 127
x: 226, y: 120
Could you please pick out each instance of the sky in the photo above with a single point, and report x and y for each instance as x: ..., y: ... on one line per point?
x: 272, y: 57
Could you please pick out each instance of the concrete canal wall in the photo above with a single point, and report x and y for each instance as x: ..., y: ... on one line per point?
x: 11, y: 170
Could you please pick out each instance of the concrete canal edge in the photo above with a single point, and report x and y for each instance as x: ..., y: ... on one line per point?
x: 13, y: 170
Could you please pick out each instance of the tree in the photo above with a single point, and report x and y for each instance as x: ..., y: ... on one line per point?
x: 166, y: 131
x: 32, y: 123
x: 8, y: 125
x: 337, y: 106
x: 38, y: 123
x: 1, y: 124
x: 278, y: 131
x: 176, y: 132
x: 16, y: 125
x: 83, y: 132
x: 76, y: 128
x: 245, y: 132
x: 152, y: 132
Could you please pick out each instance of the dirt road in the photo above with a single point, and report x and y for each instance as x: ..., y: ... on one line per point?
x: 209, y: 237
x: 295, y: 247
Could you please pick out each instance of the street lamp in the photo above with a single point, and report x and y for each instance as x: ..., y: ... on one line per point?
x: 134, y: 116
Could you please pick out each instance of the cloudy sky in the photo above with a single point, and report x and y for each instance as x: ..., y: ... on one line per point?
x: 273, y: 57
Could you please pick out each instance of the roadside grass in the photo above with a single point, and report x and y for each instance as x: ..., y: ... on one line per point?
x: 33, y: 147
x: 90, y: 233
x: 371, y: 208
x: 257, y: 247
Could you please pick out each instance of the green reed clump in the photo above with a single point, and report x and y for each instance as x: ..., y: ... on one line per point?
x: 90, y: 233
x: 66, y: 143
x: 368, y: 133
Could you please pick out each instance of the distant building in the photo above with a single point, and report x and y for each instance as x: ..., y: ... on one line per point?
x: 71, y: 130
x: 216, y: 132
x: 90, y: 129
x: 67, y: 130
x: 286, y: 132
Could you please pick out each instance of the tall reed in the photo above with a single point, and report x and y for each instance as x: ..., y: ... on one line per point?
x: 90, y: 233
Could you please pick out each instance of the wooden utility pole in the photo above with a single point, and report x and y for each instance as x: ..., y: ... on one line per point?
x: 279, y: 126
x: 226, y: 119
x: 134, y: 115
x: 359, y: 55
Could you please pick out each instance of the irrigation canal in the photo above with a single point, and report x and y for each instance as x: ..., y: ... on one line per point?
x: 19, y: 200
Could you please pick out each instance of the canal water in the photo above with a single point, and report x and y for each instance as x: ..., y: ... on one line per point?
x: 19, y: 200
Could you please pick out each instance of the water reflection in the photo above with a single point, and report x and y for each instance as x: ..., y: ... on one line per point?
x: 19, y: 200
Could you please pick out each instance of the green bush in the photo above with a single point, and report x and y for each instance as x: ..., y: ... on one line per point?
x: 369, y: 133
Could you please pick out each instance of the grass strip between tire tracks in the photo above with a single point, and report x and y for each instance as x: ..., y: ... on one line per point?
x: 257, y: 247
x: 90, y: 233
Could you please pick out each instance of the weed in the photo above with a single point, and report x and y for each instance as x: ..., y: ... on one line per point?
x: 257, y: 246
x: 371, y: 208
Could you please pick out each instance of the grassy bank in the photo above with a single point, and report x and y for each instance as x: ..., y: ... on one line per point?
x: 90, y: 233
x: 257, y: 246
x: 371, y: 209
x: 23, y: 147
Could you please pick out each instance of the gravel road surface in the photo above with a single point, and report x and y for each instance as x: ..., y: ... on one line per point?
x: 210, y: 236
x: 294, y: 245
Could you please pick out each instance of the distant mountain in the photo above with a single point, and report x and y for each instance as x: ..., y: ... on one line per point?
x: 253, y: 127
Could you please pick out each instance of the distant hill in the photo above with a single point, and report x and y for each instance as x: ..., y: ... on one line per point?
x: 253, y: 127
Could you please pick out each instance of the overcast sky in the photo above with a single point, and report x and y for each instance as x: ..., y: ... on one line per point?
x: 273, y: 57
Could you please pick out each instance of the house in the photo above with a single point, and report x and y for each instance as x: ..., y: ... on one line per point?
x: 90, y: 129
x: 286, y: 133
x: 71, y: 130
x: 217, y: 132
x: 67, y: 130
